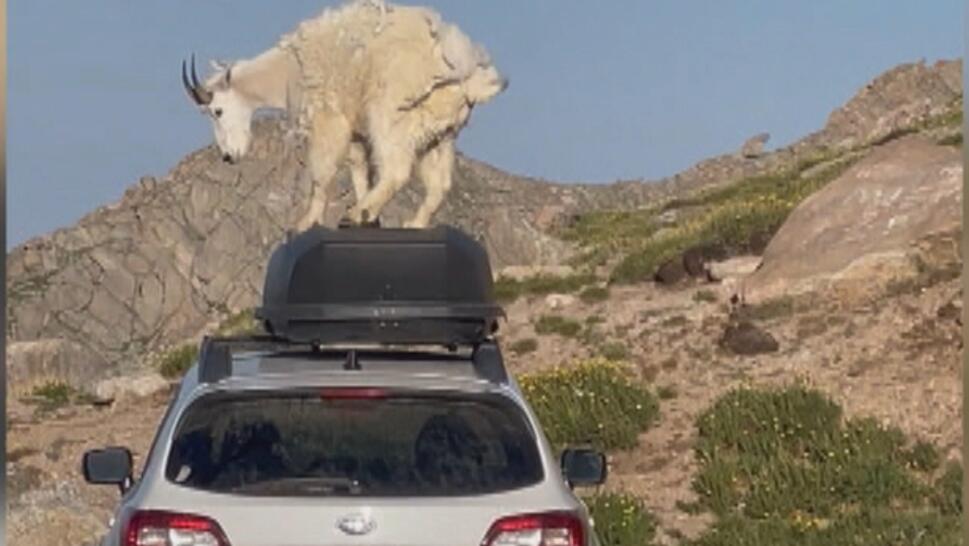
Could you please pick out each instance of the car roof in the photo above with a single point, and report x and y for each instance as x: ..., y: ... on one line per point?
x: 283, y: 370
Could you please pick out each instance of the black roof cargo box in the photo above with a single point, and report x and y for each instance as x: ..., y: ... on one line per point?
x: 380, y: 285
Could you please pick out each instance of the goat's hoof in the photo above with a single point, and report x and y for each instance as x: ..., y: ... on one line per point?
x: 361, y: 218
x: 306, y: 225
x: 355, y: 216
x: 415, y: 224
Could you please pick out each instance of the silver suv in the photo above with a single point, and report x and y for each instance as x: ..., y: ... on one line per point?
x: 274, y: 442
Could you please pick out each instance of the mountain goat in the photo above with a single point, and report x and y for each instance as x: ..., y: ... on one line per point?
x: 377, y: 87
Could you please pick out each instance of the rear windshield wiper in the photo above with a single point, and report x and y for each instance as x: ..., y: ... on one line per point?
x: 315, y: 485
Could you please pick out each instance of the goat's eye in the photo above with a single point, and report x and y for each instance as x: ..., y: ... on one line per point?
x: 217, y: 112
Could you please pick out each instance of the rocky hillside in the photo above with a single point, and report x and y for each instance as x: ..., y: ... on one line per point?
x: 180, y: 252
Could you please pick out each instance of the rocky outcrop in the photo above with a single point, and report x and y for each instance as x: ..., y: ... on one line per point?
x: 754, y: 146
x: 865, y: 229
x: 894, y: 102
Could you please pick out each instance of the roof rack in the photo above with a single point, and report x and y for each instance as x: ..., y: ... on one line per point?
x: 215, y: 356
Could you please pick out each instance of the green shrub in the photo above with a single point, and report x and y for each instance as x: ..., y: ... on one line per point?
x: 524, y: 346
x: 614, y: 350
x: 752, y: 442
x: 558, y: 325
x: 666, y: 392
x: 594, y: 402
x: 675, y: 321
x: 947, y: 497
x: 621, y: 520
x: 177, y: 361
x: 594, y: 294
x: 862, y: 529
x: 507, y: 290
x: 53, y: 394
x: 923, y: 457
x: 612, y: 230
x: 706, y: 296
x: 592, y: 337
x: 241, y: 323
x: 782, y: 466
x: 781, y: 306
x: 951, y: 140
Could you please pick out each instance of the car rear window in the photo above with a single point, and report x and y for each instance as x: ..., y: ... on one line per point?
x: 354, y: 443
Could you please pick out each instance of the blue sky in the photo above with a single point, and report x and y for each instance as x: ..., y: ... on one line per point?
x: 599, y: 92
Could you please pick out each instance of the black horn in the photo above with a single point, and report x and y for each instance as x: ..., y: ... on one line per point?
x: 196, y: 91
x: 188, y: 86
x: 204, y: 94
x: 195, y: 76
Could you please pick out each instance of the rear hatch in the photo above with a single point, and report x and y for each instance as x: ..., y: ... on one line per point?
x: 345, y: 466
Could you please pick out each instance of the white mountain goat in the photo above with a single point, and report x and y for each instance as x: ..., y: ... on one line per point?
x: 375, y: 86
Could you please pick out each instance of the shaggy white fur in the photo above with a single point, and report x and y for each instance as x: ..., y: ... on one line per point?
x: 374, y: 85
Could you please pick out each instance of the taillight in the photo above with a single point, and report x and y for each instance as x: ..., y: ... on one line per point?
x: 549, y: 529
x: 159, y: 528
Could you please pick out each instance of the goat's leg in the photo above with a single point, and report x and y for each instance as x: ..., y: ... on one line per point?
x: 329, y: 139
x: 359, y: 170
x: 394, y: 165
x: 435, y: 169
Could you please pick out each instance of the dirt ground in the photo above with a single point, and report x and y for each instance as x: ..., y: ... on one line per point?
x: 897, y: 360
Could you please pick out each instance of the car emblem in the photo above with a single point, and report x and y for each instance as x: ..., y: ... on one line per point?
x: 356, y: 524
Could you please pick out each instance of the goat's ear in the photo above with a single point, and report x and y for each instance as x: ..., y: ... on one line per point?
x: 222, y: 66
